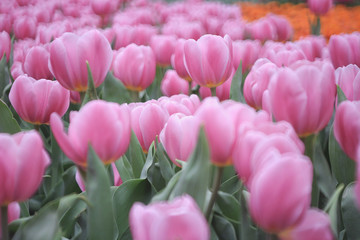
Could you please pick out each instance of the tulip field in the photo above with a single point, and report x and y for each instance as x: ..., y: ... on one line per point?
x: 183, y: 120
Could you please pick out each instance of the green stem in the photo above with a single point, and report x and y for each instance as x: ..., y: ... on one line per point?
x: 37, y: 127
x: 82, y: 96
x: 215, y: 189
x: 213, y: 91
x: 4, y: 222
x: 190, y: 90
x: 134, y: 96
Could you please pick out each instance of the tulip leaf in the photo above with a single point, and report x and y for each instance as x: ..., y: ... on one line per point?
x: 4, y: 76
x: 340, y: 95
x: 229, y: 206
x: 195, y: 176
x: 164, y: 163
x: 100, y: 212
x: 114, y: 90
x: 131, y: 191
x: 236, y: 93
x: 124, y: 168
x: 223, y: 228
x: 350, y: 213
x: 333, y: 208
x: 247, y: 231
x: 342, y: 166
x: 42, y: 226
x: 8, y: 123
x: 231, y: 185
x: 91, y: 90
x: 165, y: 193
x: 135, y: 155
x: 154, y: 90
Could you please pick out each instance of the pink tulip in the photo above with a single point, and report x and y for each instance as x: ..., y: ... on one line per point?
x: 262, y: 29
x: 179, y: 219
x: 284, y: 31
x: 288, y: 176
x: 282, y: 54
x: 102, y: 7
x: 25, y: 27
x: 172, y: 106
x: 222, y: 91
x: 179, y: 136
x: 68, y: 56
x: 191, y: 103
x: 347, y: 127
x: 21, y: 175
x: 5, y: 23
x: 320, y: 7
x: 177, y: 60
x: 135, y: 67
x: 104, y: 125
x: 36, y: 63
x: 314, y: 225
x: 5, y: 45
x: 257, y: 82
x: 246, y: 52
x: 184, y: 29
x: 13, y: 213
x: 117, y: 178
x: 219, y: 130
x: 173, y: 84
x: 234, y: 28
x: 312, y: 46
x: 344, y: 49
x: 209, y: 60
x: 304, y: 96
x: 35, y: 101
x: 163, y: 47
x: 348, y: 79
x: 147, y: 121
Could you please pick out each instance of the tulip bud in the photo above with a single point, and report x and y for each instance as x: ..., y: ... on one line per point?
x: 163, y: 47
x: 348, y: 79
x: 172, y: 84
x: 36, y: 63
x: 5, y: 45
x: 320, y: 7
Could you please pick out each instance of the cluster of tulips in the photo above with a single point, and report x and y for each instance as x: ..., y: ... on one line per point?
x: 146, y: 120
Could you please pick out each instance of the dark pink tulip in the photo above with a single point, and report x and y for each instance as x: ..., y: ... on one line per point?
x: 5, y: 22
x: 314, y: 225
x: 13, y: 213
x: 147, y: 121
x: 163, y: 47
x: 289, y: 176
x: 117, y: 178
x: 21, y: 175
x: 5, y: 45
x: 75, y: 97
x: 68, y: 56
x: 135, y: 67
x: 320, y: 7
x: 246, y: 52
x: 104, y: 125
x: 35, y: 100
x: 102, y: 7
x: 179, y: 136
x: 25, y: 27
x: 209, y: 60
x: 36, y: 63
x: 180, y: 218
x: 284, y: 31
x: 219, y: 130
x: 257, y: 82
x: 177, y: 60
x: 347, y: 127
x: 344, y: 49
x: 348, y: 79
x: 304, y: 96
x: 172, y: 84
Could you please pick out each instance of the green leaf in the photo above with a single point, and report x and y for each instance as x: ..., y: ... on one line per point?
x: 165, y: 193
x: 232, y: 185
x: 91, y: 90
x: 4, y: 76
x: 223, y: 228
x: 114, y: 90
x: 229, y: 206
x: 164, y: 162
x: 333, y: 208
x: 350, y: 213
x: 195, y: 176
x: 247, y: 231
x: 131, y: 191
x: 124, y: 168
x: 340, y: 95
x: 342, y: 166
x: 236, y: 86
x: 42, y: 226
x: 8, y: 123
x: 135, y: 155
x: 100, y: 212
x: 153, y: 91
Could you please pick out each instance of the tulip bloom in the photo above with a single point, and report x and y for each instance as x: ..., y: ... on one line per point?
x: 36, y: 63
x: 177, y: 60
x: 104, y: 125
x: 288, y: 176
x: 320, y: 7
x: 179, y: 136
x: 314, y: 225
x: 135, y: 67
x: 348, y: 79
x: 347, y: 127
x: 102, y: 7
x: 284, y: 31
x: 25, y: 27
x: 209, y: 60
x: 173, y: 84
x: 68, y: 56
x: 219, y: 130
x: 179, y: 219
x: 5, y: 45
x: 163, y: 47
x: 246, y: 52
x: 344, y: 49
x: 35, y: 100
x: 20, y: 174
x: 304, y: 95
